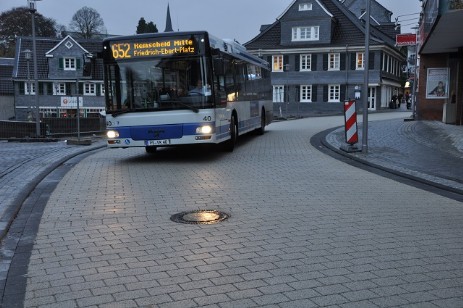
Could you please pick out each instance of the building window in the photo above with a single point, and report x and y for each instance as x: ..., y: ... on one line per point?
x: 278, y: 94
x: 305, y: 63
x: 305, y: 33
x: 29, y: 88
x: 306, y: 93
x: 69, y: 64
x: 334, y: 93
x: 102, y: 89
x: 59, y: 88
x: 305, y: 6
x: 333, y: 61
x: 90, y: 89
x: 359, y: 61
x: 277, y: 63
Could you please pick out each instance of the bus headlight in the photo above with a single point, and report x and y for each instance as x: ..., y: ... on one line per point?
x: 111, y: 134
x: 205, y: 129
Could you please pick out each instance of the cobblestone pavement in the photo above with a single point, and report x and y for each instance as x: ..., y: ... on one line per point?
x: 305, y: 229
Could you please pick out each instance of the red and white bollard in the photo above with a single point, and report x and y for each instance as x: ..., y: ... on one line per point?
x: 350, y: 127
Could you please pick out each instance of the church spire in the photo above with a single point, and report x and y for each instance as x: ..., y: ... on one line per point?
x: 168, y: 21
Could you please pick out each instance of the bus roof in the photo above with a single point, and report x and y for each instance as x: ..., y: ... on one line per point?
x: 228, y: 46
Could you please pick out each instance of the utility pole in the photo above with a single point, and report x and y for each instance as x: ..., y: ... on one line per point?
x: 366, y: 59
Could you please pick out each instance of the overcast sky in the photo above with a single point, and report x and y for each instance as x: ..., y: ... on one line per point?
x: 236, y: 19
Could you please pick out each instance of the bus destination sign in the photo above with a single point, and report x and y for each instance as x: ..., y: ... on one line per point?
x: 152, y: 48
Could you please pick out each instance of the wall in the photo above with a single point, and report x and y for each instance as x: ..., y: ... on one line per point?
x: 6, y: 107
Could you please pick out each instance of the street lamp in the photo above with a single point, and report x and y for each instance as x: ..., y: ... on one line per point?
x: 27, y: 55
x: 33, y: 9
x: 366, y: 79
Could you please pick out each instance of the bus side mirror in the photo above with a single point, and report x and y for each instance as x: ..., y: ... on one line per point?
x: 87, y: 69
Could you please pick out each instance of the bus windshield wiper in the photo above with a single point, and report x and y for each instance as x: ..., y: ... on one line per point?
x: 119, y: 112
x: 192, y: 108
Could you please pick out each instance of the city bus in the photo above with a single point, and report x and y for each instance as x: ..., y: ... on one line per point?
x: 183, y: 88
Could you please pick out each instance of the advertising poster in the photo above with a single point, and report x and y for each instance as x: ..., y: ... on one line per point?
x: 71, y: 101
x: 437, y: 83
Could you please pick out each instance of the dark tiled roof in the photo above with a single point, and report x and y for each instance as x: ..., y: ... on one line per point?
x: 347, y: 30
x: 43, y: 45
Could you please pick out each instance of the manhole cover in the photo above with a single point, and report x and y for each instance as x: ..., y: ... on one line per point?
x: 200, y: 217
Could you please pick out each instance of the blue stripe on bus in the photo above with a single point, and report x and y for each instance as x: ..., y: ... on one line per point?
x: 159, y: 132
x: 177, y: 131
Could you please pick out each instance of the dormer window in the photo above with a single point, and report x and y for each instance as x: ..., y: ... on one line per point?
x: 305, y: 6
x: 69, y: 64
x: 305, y: 33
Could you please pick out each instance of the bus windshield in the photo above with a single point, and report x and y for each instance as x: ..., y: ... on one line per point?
x: 164, y: 83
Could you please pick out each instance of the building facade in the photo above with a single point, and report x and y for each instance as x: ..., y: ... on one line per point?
x: 6, y: 89
x: 440, y: 79
x: 316, y: 49
x: 69, y: 75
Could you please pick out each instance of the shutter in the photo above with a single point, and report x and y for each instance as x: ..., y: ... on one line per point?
x: 325, y: 62
x: 50, y: 88
x: 269, y: 60
x: 98, y: 89
x: 40, y: 85
x: 78, y: 64
x: 314, y: 93
x: 61, y: 63
x: 81, y: 89
x: 298, y: 94
x: 371, y: 61
x: 314, y: 62
x: 68, y: 88
x: 342, y: 60
x: 298, y: 63
x: 22, y: 88
x: 325, y: 93
x: 342, y: 95
x: 353, y: 59
x: 285, y: 62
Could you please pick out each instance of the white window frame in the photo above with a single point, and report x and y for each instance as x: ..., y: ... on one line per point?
x: 277, y: 63
x: 278, y: 94
x: 102, y: 89
x: 59, y: 88
x: 305, y: 62
x: 69, y: 64
x: 90, y: 89
x: 334, y: 93
x: 334, y: 61
x: 307, y: 6
x: 304, y: 34
x: 360, y: 61
x: 305, y: 95
x: 29, y: 88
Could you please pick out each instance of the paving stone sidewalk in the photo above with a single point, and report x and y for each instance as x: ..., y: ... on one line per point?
x: 428, y: 151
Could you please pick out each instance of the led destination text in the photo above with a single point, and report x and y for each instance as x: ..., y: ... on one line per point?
x: 130, y: 50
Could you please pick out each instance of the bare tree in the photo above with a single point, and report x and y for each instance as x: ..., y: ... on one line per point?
x: 87, y: 22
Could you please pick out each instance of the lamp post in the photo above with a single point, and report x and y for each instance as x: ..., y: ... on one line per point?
x: 32, y: 9
x: 27, y: 55
x: 366, y: 59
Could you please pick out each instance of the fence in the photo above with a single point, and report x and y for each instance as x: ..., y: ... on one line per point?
x: 51, y: 127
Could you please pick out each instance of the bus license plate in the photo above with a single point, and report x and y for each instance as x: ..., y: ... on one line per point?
x: 157, y: 142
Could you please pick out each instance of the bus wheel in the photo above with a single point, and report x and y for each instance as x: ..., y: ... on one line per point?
x: 229, y: 145
x: 261, y: 129
x: 150, y: 149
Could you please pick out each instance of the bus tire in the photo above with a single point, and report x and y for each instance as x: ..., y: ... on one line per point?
x: 229, y: 145
x: 261, y: 129
x: 150, y: 149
